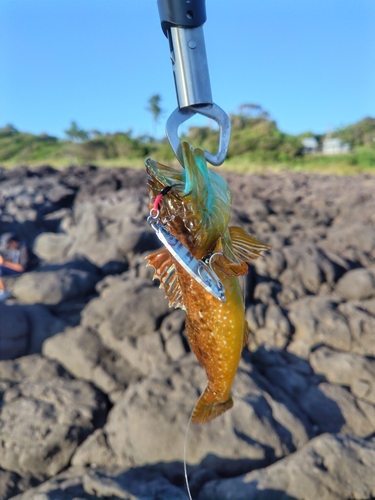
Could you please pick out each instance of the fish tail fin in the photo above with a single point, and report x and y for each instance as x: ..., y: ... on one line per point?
x: 209, y: 407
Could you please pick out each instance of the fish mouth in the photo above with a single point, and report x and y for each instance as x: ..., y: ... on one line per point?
x: 191, y: 182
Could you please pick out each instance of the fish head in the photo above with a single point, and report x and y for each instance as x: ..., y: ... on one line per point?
x: 197, y: 207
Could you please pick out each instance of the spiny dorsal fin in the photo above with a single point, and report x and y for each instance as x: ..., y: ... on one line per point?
x: 165, y: 272
x: 245, y: 246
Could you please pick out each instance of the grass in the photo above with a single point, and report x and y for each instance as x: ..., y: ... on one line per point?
x: 244, y: 164
x: 256, y: 146
x: 318, y: 164
x: 63, y: 162
x: 120, y: 150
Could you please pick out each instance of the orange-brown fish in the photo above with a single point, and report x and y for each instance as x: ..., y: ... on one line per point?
x: 197, y: 211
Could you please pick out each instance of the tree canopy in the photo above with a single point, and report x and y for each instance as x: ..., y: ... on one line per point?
x: 74, y: 133
x: 155, y: 109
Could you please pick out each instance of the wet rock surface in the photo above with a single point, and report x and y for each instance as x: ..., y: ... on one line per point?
x: 97, y: 381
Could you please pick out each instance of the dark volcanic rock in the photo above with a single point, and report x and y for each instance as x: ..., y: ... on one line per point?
x: 43, y: 421
x: 128, y: 484
x: 52, y: 247
x: 317, y: 320
x: 126, y: 316
x: 54, y: 286
x: 10, y: 484
x: 23, y: 329
x: 147, y: 425
x: 331, y: 467
x: 105, y: 328
x: 358, y: 284
x: 82, y: 353
x: 102, y: 182
x: 14, y: 332
x: 34, y: 367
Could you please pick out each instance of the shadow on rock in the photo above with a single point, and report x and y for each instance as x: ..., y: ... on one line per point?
x: 255, y: 494
x: 131, y: 484
x: 329, y: 467
x: 290, y: 380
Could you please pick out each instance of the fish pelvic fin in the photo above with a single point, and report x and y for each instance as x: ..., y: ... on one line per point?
x: 245, y: 246
x: 225, y: 264
x: 229, y: 268
x: 165, y: 272
x: 235, y: 249
x: 209, y: 407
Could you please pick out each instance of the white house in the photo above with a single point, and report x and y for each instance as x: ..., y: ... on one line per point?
x: 310, y: 145
x: 334, y: 146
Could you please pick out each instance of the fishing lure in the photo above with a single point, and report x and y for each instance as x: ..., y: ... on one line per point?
x: 199, y: 268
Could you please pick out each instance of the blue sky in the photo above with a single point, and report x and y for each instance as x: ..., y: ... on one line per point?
x: 309, y: 63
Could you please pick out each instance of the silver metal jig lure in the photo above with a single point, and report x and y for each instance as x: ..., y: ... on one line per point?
x: 199, y: 270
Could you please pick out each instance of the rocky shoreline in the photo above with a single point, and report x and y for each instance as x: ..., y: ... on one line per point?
x: 97, y: 380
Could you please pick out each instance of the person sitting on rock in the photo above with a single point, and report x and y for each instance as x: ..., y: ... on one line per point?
x: 14, y: 260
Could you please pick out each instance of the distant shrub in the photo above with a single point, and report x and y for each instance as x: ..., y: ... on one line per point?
x: 8, y: 131
x: 255, y: 138
x: 363, y: 157
x: 361, y: 133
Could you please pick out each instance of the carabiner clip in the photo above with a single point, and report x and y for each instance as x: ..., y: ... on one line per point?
x: 213, y: 111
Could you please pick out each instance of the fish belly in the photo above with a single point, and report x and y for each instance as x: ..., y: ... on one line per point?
x: 216, y: 332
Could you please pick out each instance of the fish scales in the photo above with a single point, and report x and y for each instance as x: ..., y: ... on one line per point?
x: 220, y: 339
x: 215, y: 330
x: 197, y: 211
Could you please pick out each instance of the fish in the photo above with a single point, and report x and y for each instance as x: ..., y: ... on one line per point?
x: 196, y: 211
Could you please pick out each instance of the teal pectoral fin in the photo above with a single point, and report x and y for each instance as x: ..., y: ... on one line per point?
x: 208, y: 407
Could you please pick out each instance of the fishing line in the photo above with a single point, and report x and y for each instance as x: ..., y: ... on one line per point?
x: 185, y: 447
x: 156, y: 208
x: 243, y: 283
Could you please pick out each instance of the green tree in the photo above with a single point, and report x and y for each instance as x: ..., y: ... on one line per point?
x: 8, y: 130
x: 361, y: 133
x: 155, y: 109
x: 250, y: 110
x: 76, y: 134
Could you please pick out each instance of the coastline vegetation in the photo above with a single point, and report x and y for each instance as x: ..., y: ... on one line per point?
x: 257, y: 145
